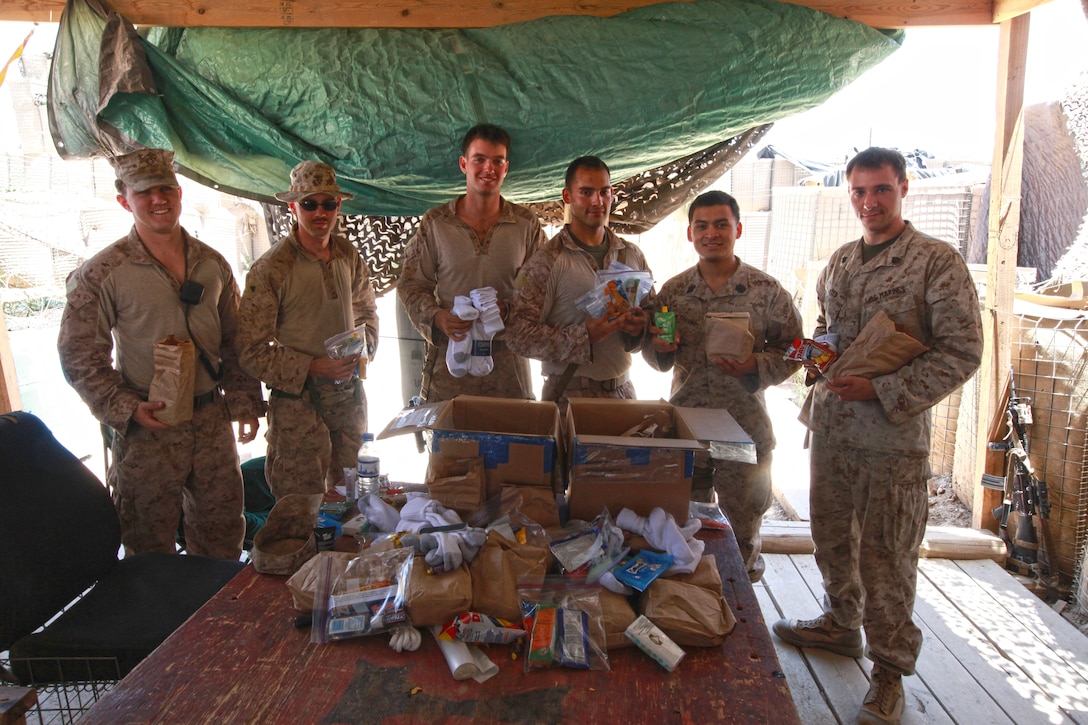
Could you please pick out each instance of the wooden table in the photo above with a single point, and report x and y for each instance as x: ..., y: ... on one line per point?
x: 239, y: 659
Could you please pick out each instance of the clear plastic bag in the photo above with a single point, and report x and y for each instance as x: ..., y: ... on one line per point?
x: 346, y: 344
x: 619, y: 289
x: 366, y: 599
x: 564, y: 626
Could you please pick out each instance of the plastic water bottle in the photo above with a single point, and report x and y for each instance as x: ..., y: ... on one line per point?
x: 369, y: 465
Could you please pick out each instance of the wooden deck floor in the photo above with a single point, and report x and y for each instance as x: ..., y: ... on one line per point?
x: 993, y: 652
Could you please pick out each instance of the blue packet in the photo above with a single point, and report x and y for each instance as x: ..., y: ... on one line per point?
x: 639, y: 571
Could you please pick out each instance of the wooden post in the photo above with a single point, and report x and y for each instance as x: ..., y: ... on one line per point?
x: 1004, y: 229
x: 9, y: 384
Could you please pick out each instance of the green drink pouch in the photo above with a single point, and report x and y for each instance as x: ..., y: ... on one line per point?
x: 666, y: 322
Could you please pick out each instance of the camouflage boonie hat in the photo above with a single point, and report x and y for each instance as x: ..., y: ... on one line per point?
x: 146, y: 169
x: 312, y: 177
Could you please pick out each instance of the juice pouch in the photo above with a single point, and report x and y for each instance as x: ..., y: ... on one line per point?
x: 666, y: 322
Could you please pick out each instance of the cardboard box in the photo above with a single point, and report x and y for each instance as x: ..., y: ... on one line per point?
x: 607, y: 469
x: 517, y: 439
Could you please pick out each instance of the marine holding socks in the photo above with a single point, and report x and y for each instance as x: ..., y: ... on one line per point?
x: 487, y: 325
x: 459, y: 352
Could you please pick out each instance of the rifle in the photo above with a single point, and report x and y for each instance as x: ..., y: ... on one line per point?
x: 1026, y: 495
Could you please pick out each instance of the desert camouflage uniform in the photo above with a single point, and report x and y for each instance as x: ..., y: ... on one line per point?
x: 870, y: 458
x: 445, y: 259
x: 544, y: 323
x: 124, y: 293
x: 744, y: 489
x: 291, y: 304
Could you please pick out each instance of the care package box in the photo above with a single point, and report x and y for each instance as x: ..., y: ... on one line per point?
x: 518, y: 440
x: 609, y: 469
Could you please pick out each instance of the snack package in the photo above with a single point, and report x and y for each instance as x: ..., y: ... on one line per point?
x: 477, y: 628
x: 822, y: 351
x: 640, y: 570
x: 619, y: 289
x: 346, y: 344
x: 366, y: 598
x: 564, y: 626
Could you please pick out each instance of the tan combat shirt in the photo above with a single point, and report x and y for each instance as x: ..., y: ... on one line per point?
x: 125, y: 295
x: 923, y: 285
x: 544, y: 323
x: 445, y: 258
x: 698, y: 382
x: 294, y: 301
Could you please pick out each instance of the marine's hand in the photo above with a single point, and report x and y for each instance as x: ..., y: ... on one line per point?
x: 453, y: 326
x: 635, y: 321
x: 601, y: 327
x: 663, y: 346
x: 852, y: 387
x: 144, y: 415
x: 326, y: 367
x: 737, y: 368
x: 247, y: 429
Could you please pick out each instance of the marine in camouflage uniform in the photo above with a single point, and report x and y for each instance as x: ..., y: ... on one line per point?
x: 870, y: 438
x: 545, y: 324
x: 129, y: 292
x: 308, y: 287
x: 477, y: 240
x: 744, y: 489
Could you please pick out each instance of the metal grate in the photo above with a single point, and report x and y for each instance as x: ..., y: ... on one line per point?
x: 63, y: 703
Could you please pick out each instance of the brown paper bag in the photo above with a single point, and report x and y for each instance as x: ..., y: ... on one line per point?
x: 303, y: 583
x: 706, y: 575
x: 287, y: 540
x: 496, y: 571
x: 618, y: 615
x: 879, y: 349
x: 729, y: 335
x: 690, y: 615
x: 437, y: 598
x: 175, y: 371
x: 456, y: 483
x: 538, y: 503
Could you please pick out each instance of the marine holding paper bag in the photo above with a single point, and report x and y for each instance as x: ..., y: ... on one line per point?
x: 870, y: 429
x: 733, y: 324
x: 156, y: 283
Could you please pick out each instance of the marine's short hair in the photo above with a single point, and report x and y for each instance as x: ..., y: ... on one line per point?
x: 584, y: 162
x: 488, y: 132
x: 714, y: 198
x: 874, y: 157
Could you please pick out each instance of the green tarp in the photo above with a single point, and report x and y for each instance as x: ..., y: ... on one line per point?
x: 387, y: 108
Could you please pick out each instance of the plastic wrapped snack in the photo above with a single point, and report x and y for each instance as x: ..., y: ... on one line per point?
x: 366, y: 598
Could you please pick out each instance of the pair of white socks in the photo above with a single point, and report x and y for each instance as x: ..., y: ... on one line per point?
x: 472, y: 355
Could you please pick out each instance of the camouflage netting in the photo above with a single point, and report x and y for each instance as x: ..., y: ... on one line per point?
x: 640, y: 203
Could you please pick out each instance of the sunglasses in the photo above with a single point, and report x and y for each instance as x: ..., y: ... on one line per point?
x: 311, y: 204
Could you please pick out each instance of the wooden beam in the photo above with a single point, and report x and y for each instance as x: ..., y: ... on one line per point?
x: 9, y: 383
x: 1004, y: 231
x: 471, y: 14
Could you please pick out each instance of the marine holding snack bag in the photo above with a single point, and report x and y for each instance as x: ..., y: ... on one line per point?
x: 724, y: 304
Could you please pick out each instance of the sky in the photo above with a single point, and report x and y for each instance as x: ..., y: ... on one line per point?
x: 937, y: 93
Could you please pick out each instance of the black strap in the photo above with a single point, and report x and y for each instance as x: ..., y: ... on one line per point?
x: 564, y: 380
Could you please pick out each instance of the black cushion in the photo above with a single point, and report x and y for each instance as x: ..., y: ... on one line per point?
x: 125, y: 616
x: 58, y: 529
x: 59, y: 535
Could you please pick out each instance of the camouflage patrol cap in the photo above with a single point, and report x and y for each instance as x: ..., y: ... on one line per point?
x: 312, y: 177
x: 145, y: 169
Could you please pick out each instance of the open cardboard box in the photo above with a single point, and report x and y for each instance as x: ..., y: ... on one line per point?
x: 518, y: 439
x: 606, y: 469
